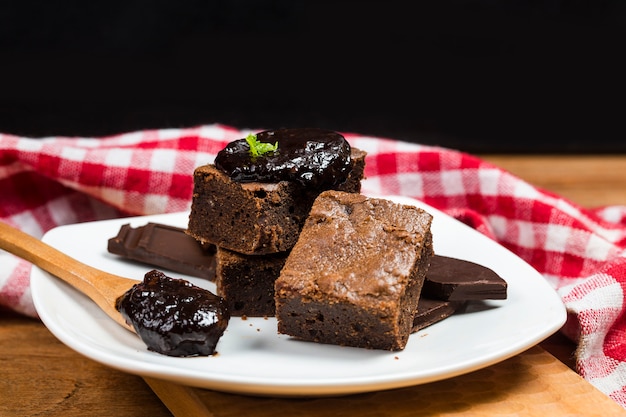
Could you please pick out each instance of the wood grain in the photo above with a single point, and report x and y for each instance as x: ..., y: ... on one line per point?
x: 43, y: 377
x: 532, y: 384
x: 180, y: 399
x: 588, y: 180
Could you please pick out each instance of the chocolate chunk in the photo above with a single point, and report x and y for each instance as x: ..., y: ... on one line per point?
x: 432, y: 311
x: 166, y: 247
x: 455, y: 279
x: 173, y: 316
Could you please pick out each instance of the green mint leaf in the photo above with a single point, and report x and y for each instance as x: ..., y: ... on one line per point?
x: 259, y: 148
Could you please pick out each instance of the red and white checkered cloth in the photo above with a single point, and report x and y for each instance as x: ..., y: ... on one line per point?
x: 48, y: 182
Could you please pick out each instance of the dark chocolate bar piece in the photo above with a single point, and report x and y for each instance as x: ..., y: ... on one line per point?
x: 432, y: 311
x: 167, y: 247
x: 453, y: 279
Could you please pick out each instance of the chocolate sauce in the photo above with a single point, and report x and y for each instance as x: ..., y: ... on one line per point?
x: 312, y: 157
x: 173, y: 316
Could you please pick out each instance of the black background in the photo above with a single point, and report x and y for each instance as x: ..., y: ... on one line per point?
x: 480, y: 76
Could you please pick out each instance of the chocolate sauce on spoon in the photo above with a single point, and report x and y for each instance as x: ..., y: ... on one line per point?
x: 173, y: 316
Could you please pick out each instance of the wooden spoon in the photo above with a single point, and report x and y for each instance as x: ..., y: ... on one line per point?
x: 104, y: 289
x: 101, y: 287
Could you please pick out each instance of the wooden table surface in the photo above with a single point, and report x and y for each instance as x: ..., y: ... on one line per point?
x: 43, y: 377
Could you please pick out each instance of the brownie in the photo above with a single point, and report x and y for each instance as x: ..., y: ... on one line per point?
x: 355, y: 275
x: 254, y: 218
x: 247, y: 281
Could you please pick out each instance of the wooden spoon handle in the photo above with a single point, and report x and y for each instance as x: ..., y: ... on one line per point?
x: 103, y: 288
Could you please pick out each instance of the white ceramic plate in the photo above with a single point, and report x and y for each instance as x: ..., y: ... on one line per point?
x: 254, y: 359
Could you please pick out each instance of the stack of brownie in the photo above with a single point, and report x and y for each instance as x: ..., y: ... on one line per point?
x: 333, y: 266
x: 331, y: 262
x: 255, y: 224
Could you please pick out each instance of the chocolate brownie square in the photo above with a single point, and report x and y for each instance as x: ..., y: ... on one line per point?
x: 255, y: 218
x: 355, y: 275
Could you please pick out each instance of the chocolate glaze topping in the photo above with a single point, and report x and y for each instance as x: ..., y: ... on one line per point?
x: 312, y: 157
x: 173, y: 316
